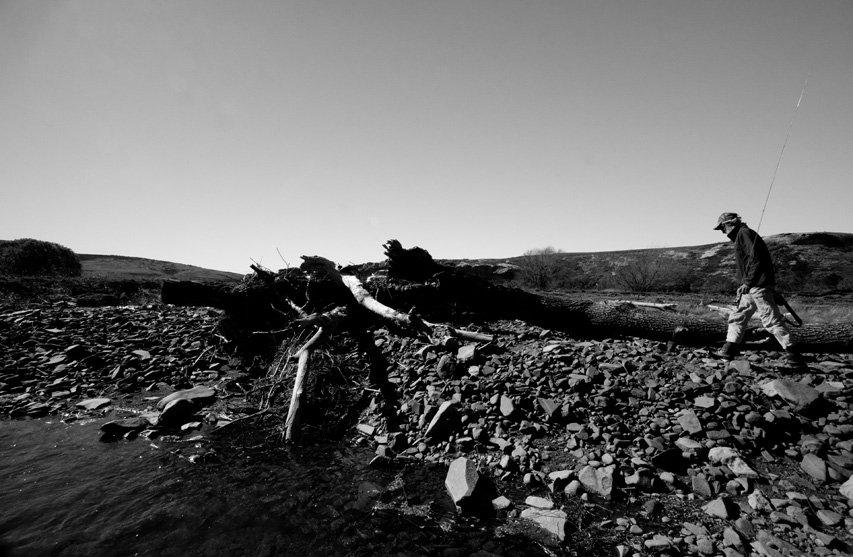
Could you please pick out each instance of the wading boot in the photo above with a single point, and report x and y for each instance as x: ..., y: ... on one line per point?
x: 727, y: 352
x: 794, y: 360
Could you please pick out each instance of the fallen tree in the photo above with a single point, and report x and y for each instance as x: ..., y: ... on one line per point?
x: 437, y: 292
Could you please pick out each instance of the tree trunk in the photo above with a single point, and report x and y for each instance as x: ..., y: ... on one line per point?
x: 440, y: 288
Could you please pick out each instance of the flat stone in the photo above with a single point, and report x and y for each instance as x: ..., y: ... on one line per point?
x: 814, y: 466
x: 829, y: 518
x: 830, y: 387
x: 552, y: 521
x: 177, y: 412
x: 446, y: 421
x: 722, y: 508
x: 702, y: 488
x: 798, y: 395
x: 690, y: 422
x: 688, y: 445
x: 118, y: 428
x: 658, y: 543
x: 94, y: 403
x: 846, y: 488
x: 731, y: 537
x: 693, y: 529
x: 705, y: 402
x: 539, y: 502
x: 199, y: 394
x: 466, y: 353
x: 705, y: 546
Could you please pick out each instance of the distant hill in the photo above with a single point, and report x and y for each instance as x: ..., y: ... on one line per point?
x: 120, y: 267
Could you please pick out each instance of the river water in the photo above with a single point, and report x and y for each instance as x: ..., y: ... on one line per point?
x: 63, y: 492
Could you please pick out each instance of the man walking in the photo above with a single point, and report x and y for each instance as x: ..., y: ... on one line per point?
x: 756, y: 291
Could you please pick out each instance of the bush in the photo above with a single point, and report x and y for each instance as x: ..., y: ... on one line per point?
x: 649, y: 271
x: 542, y: 269
x: 35, y: 258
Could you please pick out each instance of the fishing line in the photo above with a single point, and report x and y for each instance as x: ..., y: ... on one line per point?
x: 778, y: 162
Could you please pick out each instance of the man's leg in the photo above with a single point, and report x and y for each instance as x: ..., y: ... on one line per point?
x: 773, y: 320
x: 738, y: 321
x: 771, y: 316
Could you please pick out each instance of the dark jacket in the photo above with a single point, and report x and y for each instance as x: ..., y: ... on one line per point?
x: 754, y: 266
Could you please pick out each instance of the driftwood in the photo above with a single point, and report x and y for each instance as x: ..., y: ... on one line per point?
x: 327, y: 324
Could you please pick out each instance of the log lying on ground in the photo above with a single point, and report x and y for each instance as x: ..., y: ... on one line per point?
x: 445, y: 287
x: 587, y: 318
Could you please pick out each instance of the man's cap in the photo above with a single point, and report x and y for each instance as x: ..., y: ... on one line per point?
x: 726, y: 218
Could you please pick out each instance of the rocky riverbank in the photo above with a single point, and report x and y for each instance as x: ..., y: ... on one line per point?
x: 546, y: 444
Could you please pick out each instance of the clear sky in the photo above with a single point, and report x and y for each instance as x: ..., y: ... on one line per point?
x: 215, y: 133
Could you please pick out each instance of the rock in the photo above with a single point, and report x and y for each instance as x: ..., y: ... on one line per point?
x: 558, y: 480
x: 573, y: 488
x: 702, y: 488
x: 445, y: 421
x: 553, y: 521
x: 539, y: 502
x: 732, y: 538
x: 118, y: 428
x: 799, y: 395
x: 471, y: 492
x: 759, y: 502
x: 177, y: 412
x: 598, y: 480
x: 814, y: 466
x: 721, y: 507
x: 689, y: 446
x: 731, y: 458
x: 466, y: 353
x: 549, y: 406
x: 705, y: 546
x: 829, y: 518
x: 94, y: 403
x: 507, y: 408
x: 501, y: 503
x: 689, y: 422
x: 199, y: 395
x: 768, y: 544
x: 846, y: 488
x: 658, y: 543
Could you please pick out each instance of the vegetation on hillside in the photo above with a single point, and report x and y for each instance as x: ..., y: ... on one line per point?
x: 814, y: 263
x: 36, y: 258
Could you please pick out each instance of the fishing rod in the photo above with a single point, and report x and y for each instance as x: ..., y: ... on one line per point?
x: 781, y: 154
x: 779, y: 299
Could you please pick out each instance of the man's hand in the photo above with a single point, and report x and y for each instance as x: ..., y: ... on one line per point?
x: 741, y: 290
